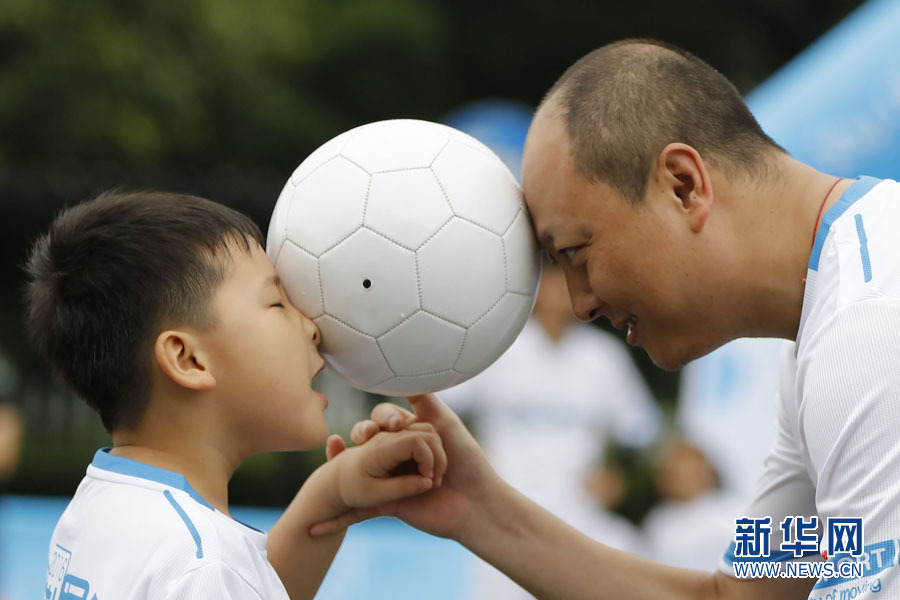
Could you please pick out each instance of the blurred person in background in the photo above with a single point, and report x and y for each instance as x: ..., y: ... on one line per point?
x: 608, y: 486
x: 12, y: 433
x: 732, y: 389
x: 694, y: 519
x: 545, y: 410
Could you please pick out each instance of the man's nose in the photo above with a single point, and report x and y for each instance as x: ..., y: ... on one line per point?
x: 585, y: 305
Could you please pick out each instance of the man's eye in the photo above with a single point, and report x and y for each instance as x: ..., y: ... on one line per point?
x: 279, y: 304
x: 569, y: 252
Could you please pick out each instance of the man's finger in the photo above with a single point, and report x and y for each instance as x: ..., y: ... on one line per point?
x: 343, y: 521
x: 430, y: 409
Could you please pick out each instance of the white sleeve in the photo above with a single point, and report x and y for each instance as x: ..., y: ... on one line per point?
x: 785, y: 487
x: 215, y: 581
x: 848, y: 380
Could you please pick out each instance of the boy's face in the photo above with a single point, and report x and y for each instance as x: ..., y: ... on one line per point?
x: 264, y: 355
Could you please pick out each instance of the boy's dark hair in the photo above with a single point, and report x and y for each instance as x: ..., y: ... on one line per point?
x: 114, y: 271
x: 623, y: 103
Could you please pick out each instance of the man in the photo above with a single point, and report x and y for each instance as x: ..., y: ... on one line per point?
x: 675, y: 216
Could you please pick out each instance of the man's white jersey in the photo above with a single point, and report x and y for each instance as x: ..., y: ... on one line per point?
x: 836, y: 453
x: 136, y: 531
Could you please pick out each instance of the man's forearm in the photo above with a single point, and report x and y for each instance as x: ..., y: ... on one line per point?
x: 552, y: 560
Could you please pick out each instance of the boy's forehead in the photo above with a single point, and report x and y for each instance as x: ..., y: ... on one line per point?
x: 246, y: 263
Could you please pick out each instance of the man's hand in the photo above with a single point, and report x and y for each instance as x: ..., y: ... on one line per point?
x: 445, y: 510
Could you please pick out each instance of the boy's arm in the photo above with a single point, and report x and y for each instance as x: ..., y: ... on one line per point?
x: 356, y: 478
x: 539, y: 551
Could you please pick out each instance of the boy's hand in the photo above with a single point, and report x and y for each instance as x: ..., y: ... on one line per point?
x: 446, y: 510
x: 391, y: 465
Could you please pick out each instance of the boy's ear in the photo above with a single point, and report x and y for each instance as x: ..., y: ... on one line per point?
x: 179, y: 356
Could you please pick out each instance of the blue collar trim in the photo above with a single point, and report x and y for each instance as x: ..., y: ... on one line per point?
x: 126, y: 466
x: 860, y: 188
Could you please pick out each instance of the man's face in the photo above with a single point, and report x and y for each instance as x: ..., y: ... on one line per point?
x: 630, y: 264
x: 265, y: 355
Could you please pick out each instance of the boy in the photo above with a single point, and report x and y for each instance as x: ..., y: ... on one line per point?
x: 164, y: 314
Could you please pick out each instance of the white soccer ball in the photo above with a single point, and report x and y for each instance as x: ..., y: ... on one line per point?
x: 409, y: 245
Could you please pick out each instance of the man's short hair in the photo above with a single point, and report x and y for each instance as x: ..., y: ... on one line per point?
x: 623, y: 103
x: 111, y: 273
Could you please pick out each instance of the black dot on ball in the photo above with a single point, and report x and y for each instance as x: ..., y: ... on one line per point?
x: 367, y: 284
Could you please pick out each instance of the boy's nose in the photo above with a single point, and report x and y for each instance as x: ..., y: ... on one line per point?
x: 316, y: 334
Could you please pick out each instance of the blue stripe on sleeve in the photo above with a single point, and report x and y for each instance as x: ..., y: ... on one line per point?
x: 863, y: 248
x: 187, y: 521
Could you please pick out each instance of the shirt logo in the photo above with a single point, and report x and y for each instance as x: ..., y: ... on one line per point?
x: 845, y: 535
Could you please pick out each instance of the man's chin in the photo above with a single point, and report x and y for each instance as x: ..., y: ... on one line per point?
x: 671, y: 359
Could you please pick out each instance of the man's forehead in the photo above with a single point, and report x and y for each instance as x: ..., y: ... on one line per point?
x: 543, y: 173
x: 555, y: 227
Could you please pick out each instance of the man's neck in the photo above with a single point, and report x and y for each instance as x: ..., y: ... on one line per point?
x: 779, y: 217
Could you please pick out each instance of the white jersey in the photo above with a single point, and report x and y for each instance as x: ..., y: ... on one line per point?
x: 137, y: 531
x: 836, y: 453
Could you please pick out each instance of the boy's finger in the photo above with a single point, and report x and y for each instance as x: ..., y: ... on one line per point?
x: 402, y: 447
x: 436, y: 447
x: 423, y: 454
x: 401, y: 486
x: 391, y: 417
x: 363, y: 431
x: 440, y: 457
x: 334, y: 445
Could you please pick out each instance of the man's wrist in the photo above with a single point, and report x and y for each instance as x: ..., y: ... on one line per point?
x: 490, y: 515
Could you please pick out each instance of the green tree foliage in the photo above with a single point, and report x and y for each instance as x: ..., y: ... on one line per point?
x: 157, y: 83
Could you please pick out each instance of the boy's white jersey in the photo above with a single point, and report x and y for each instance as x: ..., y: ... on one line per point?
x: 836, y: 453
x: 136, y: 531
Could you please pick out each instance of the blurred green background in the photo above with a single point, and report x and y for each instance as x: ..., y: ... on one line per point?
x: 225, y: 99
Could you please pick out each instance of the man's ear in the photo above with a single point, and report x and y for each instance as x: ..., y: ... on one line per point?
x: 179, y: 356
x: 682, y: 173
